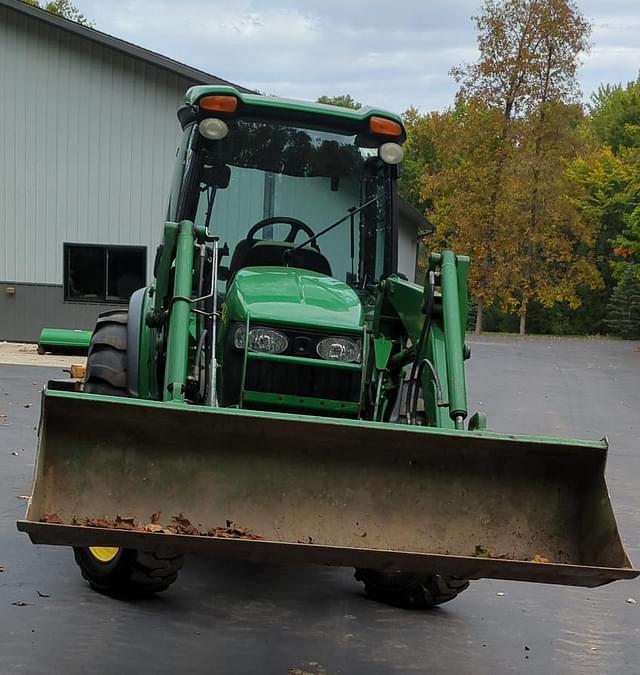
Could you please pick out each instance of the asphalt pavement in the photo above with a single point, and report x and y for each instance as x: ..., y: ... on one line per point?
x: 229, y: 617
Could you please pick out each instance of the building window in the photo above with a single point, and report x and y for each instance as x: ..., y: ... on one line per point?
x: 108, y: 274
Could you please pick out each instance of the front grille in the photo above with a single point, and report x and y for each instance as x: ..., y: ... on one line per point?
x: 302, y: 380
x: 288, y: 378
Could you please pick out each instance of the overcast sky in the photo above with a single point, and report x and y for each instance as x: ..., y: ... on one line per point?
x: 388, y: 53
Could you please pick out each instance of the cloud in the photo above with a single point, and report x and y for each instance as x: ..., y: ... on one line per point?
x: 382, y: 53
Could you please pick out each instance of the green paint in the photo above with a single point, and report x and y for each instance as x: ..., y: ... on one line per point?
x: 302, y: 361
x: 147, y: 387
x: 287, y: 296
x: 454, y: 337
x: 399, y: 314
x: 436, y: 352
x: 288, y: 107
x: 245, y: 358
x: 301, y: 402
x: 164, y: 266
x: 462, y: 263
x: 462, y: 269
x: 345, y: 424
x: 382, y: 351
x: 65, y: 338
x: 178, y: 339
x: 407, y: 300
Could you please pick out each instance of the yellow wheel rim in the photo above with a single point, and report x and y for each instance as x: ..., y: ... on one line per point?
x: 104, y: 554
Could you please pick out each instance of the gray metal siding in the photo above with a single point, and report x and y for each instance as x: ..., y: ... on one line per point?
x: 407, y: 249
x: 87, y: 141
x: 121, y: 46
x: 35, y: 306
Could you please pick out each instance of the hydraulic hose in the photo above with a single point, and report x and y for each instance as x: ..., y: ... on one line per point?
x: 200, y: 346
x: 436, y: 379
x: 424, y: 333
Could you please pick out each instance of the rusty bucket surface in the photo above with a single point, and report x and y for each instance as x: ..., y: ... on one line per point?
x: 323, y: 490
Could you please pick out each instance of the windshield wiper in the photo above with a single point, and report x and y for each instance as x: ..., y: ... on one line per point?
x: 350, y: 214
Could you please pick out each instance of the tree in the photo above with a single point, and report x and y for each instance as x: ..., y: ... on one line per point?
x: 419, y: 156
x: 608, y: 195
x: 457, y: 183
x: 343, y: 100
x: 529, y: 54
x: 623, y: 316
x: 608, y: 182
x: 550, y: 254
x: 627, y: 243
x: 63, y: 8
x: 615, y: 115
x: 563, y: 36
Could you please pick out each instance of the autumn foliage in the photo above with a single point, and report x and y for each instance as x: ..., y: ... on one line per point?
x: 518, y: 174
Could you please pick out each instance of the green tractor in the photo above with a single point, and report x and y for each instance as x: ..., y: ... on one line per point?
x: 281, y: 393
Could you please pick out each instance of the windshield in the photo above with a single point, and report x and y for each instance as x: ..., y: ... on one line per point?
x: 264, y: 170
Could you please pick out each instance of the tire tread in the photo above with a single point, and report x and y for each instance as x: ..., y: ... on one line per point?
x: 410, y: 591
x: 133, y: 573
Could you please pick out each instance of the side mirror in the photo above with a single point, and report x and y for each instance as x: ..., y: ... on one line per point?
x: 216, y: 175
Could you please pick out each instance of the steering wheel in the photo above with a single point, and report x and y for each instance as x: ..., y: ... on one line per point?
x: 295, y: 226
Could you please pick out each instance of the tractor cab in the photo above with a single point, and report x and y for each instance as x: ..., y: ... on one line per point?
x: 292, y: 184
x: 299, y: 198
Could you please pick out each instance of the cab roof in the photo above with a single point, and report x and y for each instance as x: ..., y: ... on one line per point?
x: 272, y: 105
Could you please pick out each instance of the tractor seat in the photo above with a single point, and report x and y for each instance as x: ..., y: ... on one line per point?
x: 271, y: 253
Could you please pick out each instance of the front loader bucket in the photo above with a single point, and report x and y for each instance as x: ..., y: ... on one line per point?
x: 321, y: 490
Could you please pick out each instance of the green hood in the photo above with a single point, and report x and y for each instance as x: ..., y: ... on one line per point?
x: 293, y: 297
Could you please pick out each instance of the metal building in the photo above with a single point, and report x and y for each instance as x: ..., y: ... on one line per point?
x: 88, y: 132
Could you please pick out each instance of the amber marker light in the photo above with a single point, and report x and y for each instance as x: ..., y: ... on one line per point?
x: 384, y: 127
x: 226, y: 104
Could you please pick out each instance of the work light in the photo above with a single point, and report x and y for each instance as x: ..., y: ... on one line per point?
x: 261, y: 340
x: 213, y: 128
x: 391, y: 153
x: 339, y: 349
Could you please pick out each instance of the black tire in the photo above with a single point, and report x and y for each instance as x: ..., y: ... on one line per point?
x: 107, y: 356
x: 410, y: 591
x: 131, y: 573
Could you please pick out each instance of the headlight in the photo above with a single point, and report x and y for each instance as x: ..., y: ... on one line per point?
x: 213, y: 128
x: 391, y: 153
x: 339, y: 349
x: 261, y: 340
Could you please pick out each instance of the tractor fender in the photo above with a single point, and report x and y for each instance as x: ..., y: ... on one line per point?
x: 136, y: 305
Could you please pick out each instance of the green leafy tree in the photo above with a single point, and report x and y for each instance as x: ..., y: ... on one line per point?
x: 627, y: 244
x: 608, y: 195
x: 615, y: 115
x: 343, y: 100
x: 608, y: 182
x: 623, y: 316
x: 63, y: 8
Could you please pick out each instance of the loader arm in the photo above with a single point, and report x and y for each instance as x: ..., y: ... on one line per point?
x: 433, y: 320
